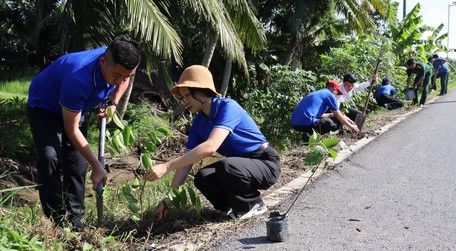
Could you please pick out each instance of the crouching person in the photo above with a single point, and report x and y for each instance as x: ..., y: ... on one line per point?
x: 385, y: 96
x: 310, y: 114
x: 221, y: 125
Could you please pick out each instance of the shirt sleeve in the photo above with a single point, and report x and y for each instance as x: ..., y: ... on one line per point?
x: 362, y: 86
x: 228, y: 115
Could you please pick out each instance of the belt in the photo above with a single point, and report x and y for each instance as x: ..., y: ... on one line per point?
x: 263, y: 146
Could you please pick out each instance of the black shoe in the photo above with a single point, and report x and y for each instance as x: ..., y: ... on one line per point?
x: 306, y: 137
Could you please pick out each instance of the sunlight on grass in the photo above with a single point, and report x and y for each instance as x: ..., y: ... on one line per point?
x: 17, y: 87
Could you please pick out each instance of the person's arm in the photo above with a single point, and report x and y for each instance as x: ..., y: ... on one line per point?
x: 203, y: 150
x: 366, y: 84
x: 71, y: 126
x: 409, y: 79
x: 418, y: 82
x: 344, y: 121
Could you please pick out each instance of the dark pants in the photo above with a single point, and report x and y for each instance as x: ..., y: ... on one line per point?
x: 390, y: 101
x: 352, y: 113
x: 234, y: 182
x: 443, y: 82
x: 322, y: 126
x: 425, y: 90
x: 61, y: 168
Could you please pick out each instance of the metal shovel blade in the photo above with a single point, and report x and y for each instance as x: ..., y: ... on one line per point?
x: 359, y: 120
x: 99, y: 197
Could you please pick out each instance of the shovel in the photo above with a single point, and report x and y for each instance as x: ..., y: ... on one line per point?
x: 360, y: 118
x: 101, y: 158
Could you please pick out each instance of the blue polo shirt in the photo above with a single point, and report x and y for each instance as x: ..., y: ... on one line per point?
x: 439, y: 62
x: 73, y: 81
x: 385, y: 89
x: 244, y: 137
x: 313, y: 106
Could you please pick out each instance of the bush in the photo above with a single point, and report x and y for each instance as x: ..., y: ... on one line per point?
x: 271, y: 105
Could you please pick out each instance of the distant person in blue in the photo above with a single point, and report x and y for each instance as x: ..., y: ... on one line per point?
x: 310, y: 114
x: 440, y: 71
x: 221, y: 125
x: 60, y: 97
x: 385, y: 96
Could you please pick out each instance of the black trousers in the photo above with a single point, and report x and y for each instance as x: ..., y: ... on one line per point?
x: 443, y: 82
x: 61, y: 168
x: 233, y: 182
x: 322, y: 126
x: 392, y: 101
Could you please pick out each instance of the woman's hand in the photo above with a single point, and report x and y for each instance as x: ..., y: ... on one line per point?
x: 162, y: 207
x: 156, y: 172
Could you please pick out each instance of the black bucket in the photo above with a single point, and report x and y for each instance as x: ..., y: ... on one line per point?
x: 277, y: 227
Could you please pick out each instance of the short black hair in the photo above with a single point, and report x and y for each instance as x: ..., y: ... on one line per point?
x: 350, y: 77
x: 430, y: 59
x: 206, y: 92
x: 124, y: 51
x: 411, y: 61
x: 435, y: 56
x: 386, y: 81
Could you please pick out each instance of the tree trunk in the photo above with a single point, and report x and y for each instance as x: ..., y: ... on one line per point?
x: 206, y: 62
x: 210, y: 51
x: 123, y: 102
x: 290, y: 54
x: 226, y: 77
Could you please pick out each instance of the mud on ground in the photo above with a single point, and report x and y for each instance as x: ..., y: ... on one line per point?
x: 187, y: 233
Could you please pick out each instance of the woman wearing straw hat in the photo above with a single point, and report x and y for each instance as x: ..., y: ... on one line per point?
x: 223, y: 126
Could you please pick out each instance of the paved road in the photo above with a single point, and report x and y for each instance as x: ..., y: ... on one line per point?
x: 401, y: 187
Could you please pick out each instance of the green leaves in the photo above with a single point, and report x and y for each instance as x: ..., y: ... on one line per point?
x: 179, y: 198
x: 318, y: 150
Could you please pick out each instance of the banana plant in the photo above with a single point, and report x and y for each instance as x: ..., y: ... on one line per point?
x: 408, y: 35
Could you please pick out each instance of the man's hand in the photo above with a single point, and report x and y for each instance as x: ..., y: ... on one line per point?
x: 98, y: 175
x: 156, y: 172
x: 107, y: 113
x: 354, y: 127
x: 374, y: 79
x: 162, y: 207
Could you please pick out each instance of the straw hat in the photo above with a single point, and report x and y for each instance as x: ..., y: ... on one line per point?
x: 195, y: 76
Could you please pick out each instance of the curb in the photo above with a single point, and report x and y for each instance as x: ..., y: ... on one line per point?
x: 292, y: 188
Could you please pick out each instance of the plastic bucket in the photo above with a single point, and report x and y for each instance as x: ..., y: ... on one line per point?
x: 277, y: 227
x: 409, y: 94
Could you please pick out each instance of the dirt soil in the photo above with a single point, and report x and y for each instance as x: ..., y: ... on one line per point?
x: 186, y: 233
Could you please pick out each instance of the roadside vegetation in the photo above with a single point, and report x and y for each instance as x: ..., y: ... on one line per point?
x: 267, y: 62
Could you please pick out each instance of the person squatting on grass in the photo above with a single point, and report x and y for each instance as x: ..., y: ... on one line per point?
x: 310, y: 114
x: 60, y: 97
x: 422, y: 73
x: 223, y: 126
x: 385, y: 95
x: 440, y: 71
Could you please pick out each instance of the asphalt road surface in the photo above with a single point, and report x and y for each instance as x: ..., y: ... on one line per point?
x: 397, y: 193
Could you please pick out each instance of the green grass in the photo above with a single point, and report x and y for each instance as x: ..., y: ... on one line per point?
x: 15, y: 88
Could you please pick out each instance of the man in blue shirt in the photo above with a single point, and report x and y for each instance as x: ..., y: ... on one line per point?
x: 385, y: 96
x: 59, y: 98
x: 310, y: 113
x: 440, y: 71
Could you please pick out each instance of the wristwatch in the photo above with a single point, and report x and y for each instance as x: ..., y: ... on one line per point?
x: 112, y: 103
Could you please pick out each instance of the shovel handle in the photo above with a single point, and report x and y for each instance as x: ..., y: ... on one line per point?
x: 100, y: 188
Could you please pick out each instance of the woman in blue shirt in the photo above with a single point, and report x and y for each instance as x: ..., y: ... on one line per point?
x: 223, y: 126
